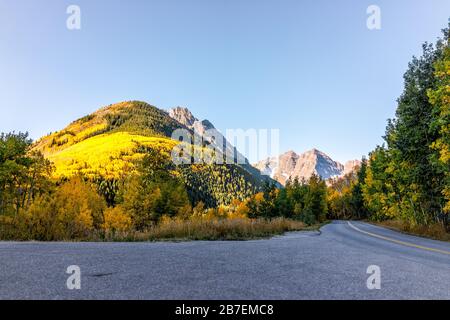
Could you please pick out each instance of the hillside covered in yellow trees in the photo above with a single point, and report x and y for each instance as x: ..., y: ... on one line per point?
x: 107, y: 142
x: 106, y: 146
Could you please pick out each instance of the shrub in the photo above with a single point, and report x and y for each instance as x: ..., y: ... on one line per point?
x: 73, y: 211
x: 198, y: 228
x: 116, y: 220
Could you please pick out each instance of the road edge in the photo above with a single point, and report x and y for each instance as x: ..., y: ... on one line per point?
x: 404, y: 243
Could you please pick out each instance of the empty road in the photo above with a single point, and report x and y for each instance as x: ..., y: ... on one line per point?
x: 330, y: 264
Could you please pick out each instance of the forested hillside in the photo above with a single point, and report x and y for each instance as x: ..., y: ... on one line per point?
x: 106, y: 145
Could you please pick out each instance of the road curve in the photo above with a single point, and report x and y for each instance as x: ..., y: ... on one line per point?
x: 299, y: 265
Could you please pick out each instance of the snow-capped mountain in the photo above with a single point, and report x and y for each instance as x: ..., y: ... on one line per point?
x: 302, y: 166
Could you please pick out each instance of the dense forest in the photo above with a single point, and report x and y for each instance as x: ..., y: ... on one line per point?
x: 408, y: 177
x: 110, y: 172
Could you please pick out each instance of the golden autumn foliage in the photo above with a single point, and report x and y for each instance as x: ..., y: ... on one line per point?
x: 116, y: 220
x: 236, y: 210
x: 79, y: 201
x: 106, y: 155
x: 83, y: 128
x: 74, y: 211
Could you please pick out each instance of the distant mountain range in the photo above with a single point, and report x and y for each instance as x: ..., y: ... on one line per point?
x: 291, y: 165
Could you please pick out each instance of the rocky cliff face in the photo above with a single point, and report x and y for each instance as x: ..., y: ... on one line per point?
x: 304, y: 165
x: 217, y: 140
x: 183, y: 116
x: 351, y: 166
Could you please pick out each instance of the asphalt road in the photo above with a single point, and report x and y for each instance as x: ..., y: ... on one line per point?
x: 299, y: 265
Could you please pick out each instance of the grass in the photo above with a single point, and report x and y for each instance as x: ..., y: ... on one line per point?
x: 433, y: 231
x: 178, y: 229
x: 213, y: 229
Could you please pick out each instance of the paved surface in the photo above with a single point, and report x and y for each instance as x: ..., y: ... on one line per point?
x: 299, y: 265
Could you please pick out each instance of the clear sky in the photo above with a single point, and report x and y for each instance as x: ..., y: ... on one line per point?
x: 310, y: 68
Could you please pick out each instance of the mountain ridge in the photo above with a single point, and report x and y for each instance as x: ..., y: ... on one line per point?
x: 292, y: 165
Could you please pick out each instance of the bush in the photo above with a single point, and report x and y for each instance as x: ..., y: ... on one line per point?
x: 116, y: 220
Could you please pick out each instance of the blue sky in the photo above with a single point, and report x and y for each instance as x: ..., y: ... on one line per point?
x: 310, y: 68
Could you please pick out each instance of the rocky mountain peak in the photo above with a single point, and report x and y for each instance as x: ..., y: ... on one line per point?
x: 290, y: 153
x: 183, y: 115
x: 351, y: 166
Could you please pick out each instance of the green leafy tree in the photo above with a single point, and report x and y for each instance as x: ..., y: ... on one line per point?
x: 315, y: 209
x: 407, y: 179
x: 440, y: 100
x: 154, y: 192
x: 23, y: 174
x: 358, y: 207
x: 380, y: 193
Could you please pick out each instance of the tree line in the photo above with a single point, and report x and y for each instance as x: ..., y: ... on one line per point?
x: 33, y: 205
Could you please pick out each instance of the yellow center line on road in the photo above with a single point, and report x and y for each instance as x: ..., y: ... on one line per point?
x: 408, y: 244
